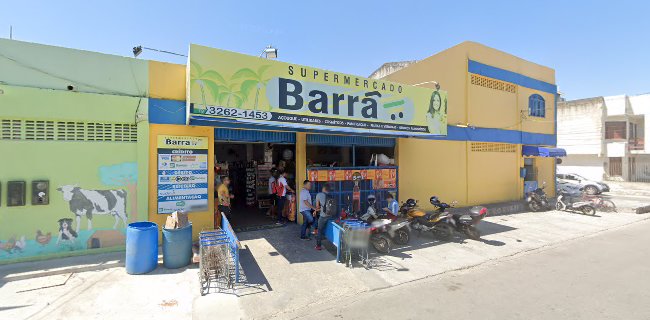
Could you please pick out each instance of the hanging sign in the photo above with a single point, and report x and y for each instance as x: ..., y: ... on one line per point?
x: 182, y: 173
x: 229, y: 86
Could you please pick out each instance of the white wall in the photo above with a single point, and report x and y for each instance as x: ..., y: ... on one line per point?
x: 580, y: 126
x: 616, y: 105
x: 616, y: 149
x: 640, y: 104
x: 589, y: 166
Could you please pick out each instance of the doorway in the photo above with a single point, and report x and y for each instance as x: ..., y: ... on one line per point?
x: 248, y: 165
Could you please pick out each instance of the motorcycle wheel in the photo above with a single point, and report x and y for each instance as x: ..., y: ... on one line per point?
x: 558, y: 206
x: 443, y: 232
x: 473, y: 233
x: 534, y: 206
x: 608, y: 206
x: 402, y: 236
x: 381, y: 243
x: 589, y: 210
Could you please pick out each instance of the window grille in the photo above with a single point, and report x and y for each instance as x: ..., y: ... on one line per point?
x: 493, y: 147
x: 493, y: 83
x: 49, y: 130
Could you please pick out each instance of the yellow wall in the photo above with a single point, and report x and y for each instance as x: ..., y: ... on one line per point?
x: 493, y: 176
x: 166, y: 81
x: 546, y: 173
x: 449, y: 169
x: 536, y: 124
x: 430, y: 167
x: 490, y: 108
x: 448, y: 69
x: 477, y: 105
x: 200, y: 220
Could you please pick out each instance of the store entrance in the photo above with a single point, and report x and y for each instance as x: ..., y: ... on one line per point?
x: 248, y: 165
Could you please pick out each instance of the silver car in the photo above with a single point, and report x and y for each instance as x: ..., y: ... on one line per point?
x: 589, y: 186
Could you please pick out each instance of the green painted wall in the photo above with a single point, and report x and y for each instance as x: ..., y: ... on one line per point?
x: 109, y: 102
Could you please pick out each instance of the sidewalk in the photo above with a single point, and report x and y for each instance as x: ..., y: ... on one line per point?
x: 284, y: 276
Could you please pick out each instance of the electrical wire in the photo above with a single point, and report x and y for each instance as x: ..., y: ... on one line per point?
x: 102, y: 90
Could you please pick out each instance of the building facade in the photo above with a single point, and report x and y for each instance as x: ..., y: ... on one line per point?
x: 85, y: 139
x: 605, y: 137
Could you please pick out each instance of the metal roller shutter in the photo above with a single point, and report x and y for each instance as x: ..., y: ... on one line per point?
x: 335, y: 140
x: 223, y: 134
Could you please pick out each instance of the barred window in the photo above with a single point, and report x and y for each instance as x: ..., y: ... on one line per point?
x: 536, y: 106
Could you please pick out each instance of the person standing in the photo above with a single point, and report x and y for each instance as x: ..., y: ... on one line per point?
x: 305, y: 208
x: 272, y: 196
x: 327, y: 205
x: 281, y: 188
x: 224, y: 197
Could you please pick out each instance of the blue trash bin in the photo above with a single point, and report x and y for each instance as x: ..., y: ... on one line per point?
x: 141, y: 247
x: 177, y: 247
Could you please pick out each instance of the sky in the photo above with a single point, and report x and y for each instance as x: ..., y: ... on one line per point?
x: 597, y: 48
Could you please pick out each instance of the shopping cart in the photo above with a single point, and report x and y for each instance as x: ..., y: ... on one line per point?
x: 216, y: 262
x: 356, y: 239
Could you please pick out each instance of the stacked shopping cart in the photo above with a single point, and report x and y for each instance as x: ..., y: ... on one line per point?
x: 355, y: 242
x: 216, y: 264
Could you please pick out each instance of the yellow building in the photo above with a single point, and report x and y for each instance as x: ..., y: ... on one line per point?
x: 497, y: 104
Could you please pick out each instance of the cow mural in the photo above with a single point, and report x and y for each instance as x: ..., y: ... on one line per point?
x: 95, y: 202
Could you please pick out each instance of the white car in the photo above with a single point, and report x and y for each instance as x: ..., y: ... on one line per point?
x: 589, y: 186
x: 564, y: 186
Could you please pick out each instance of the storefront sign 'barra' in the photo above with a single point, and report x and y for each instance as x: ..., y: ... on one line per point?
x: 235, y: 87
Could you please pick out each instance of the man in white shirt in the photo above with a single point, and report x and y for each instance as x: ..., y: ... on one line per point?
x: 305, y: 207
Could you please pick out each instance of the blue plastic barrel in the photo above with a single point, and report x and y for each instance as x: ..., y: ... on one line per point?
x: 177, y: 247
x: 141, y: 247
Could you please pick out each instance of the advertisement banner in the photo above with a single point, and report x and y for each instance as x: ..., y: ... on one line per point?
x: 182, y: 173
x: 385, y: 178
x: 229, y: 86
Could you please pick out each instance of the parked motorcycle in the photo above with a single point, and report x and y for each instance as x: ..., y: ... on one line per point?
x: 574, y: 203
x: 436, y: 222
x: 466, y: 222
x: 385, y: 231
x: 537, y: 200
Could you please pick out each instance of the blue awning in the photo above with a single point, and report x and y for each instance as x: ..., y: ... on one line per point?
x: 535, y: 151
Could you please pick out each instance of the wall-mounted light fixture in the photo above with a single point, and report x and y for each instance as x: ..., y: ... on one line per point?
x: 138, y: 50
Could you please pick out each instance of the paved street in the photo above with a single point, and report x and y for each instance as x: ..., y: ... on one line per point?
x: 596, y: 277
x: 524, y: 263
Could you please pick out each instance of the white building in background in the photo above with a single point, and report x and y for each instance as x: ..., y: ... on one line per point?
x: 604, y: 137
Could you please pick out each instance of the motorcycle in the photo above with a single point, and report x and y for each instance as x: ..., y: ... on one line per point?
x: 466, y: 222
x: 436, y: 222
x: 537, y: 200
x: 574, y: 203
x: 384, y: 231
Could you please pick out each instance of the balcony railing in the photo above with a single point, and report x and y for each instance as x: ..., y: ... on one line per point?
x: 636, y: 144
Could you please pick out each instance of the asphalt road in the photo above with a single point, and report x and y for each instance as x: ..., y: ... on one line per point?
x: 604, y: 276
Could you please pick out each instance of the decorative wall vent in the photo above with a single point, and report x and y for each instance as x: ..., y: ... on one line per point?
x: 49, y: 130
x: 492, y: 83
x: 493, y: 147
